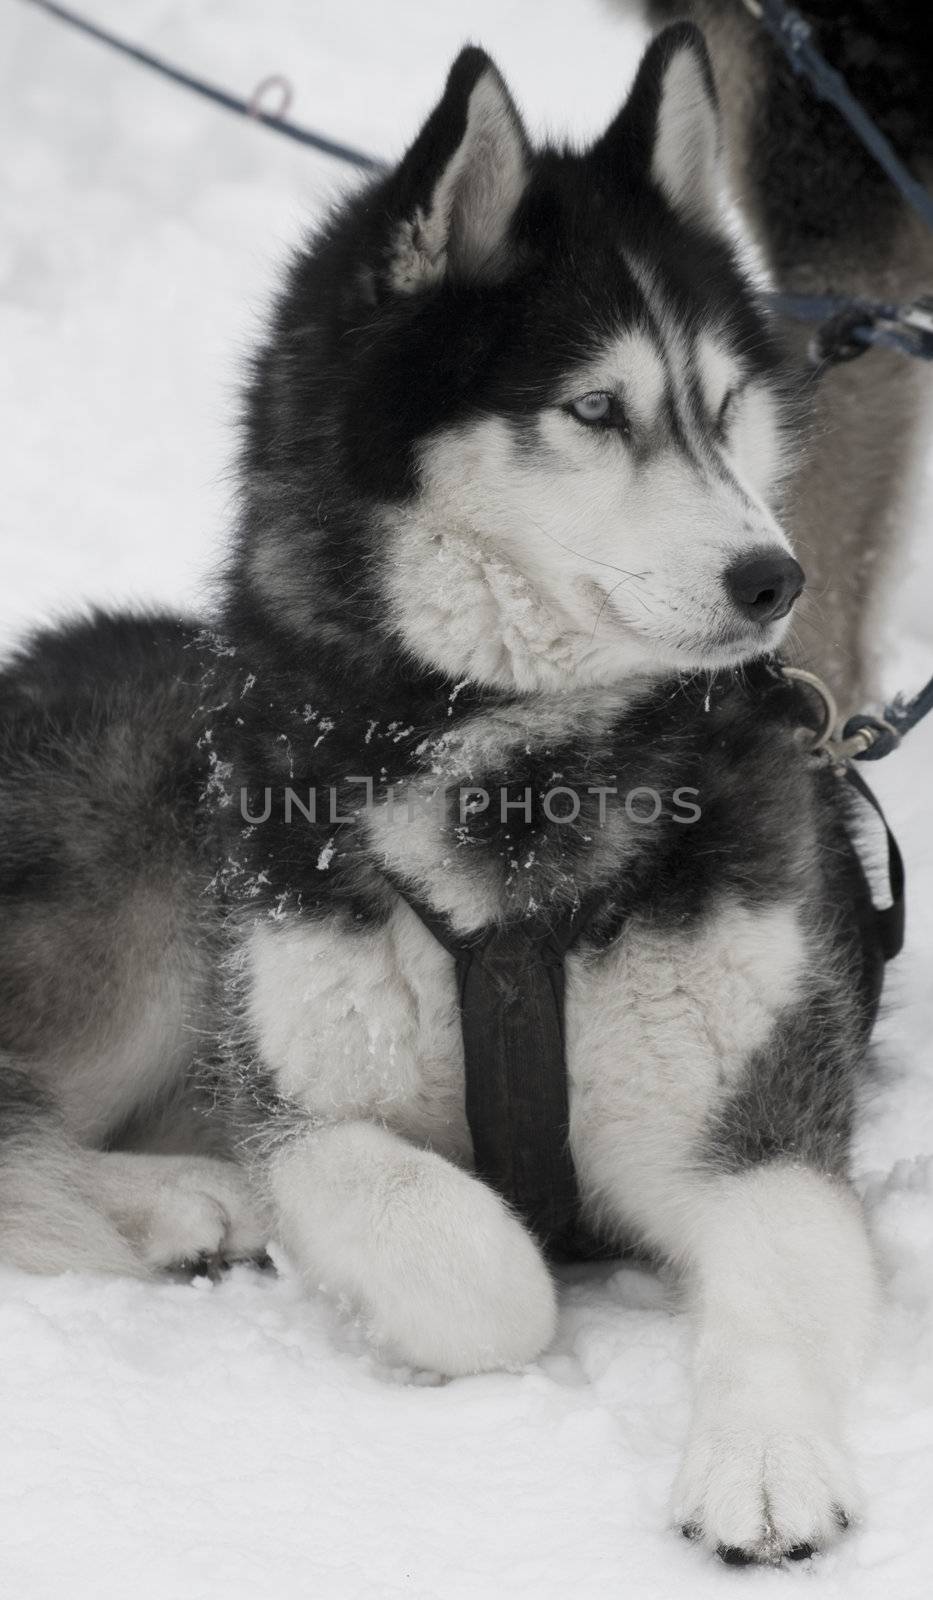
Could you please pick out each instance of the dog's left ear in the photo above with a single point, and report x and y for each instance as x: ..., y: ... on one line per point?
x: 668, y: 129
x: 459, y: 185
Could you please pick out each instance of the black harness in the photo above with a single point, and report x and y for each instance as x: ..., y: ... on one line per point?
x: 510, y: 986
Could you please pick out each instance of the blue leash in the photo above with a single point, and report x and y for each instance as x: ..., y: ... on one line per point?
x: 792, y: 32
x: 210, y: 91
x: 795, y: 37
x: 849, y: 326
x: 880, y: 735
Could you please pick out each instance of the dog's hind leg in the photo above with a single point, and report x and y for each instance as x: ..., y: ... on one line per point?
x: 181, y: 1210
x: 446, y: 1277
x: 50, y: 1218
x: 783, y: 1295
x: 67, y: 1208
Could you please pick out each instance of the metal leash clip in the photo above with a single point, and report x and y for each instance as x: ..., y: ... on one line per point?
x: 844, y: 745
x: 862, y: 324
x: 917, y: 320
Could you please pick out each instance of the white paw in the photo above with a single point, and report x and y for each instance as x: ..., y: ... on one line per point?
x: 201, y: 1213
x: 474, y: 1294
x: 760, y: 1493
x: 444, y: 1276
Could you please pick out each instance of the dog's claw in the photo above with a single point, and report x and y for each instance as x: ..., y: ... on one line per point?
x: 208, y: 1265
x: 733, y: 1556
x: 214, y: 1264
x: 800, y: 1552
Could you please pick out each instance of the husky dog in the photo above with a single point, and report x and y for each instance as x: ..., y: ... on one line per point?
x: 829, y: 221
x: 513, y: 449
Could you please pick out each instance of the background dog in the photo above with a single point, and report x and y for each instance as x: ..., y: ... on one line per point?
x: 829, y: 221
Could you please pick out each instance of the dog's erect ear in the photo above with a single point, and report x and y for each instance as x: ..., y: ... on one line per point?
x: 461, y: 181
x: 669, y: 127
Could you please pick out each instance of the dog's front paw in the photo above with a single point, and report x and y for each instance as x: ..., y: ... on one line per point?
x: 471, y: 1293
x: 763, y: 1493
x: 444, y: 1276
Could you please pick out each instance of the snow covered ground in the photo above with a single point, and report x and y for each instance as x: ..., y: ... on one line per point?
x: 177, y: 1442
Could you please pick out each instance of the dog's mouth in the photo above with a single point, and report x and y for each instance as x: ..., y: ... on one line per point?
x: 730, y: 646
x: 726, y: 642
x: 741, y: 640
x: 731, y: 652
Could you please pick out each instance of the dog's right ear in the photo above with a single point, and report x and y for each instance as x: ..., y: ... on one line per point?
x: 460, y: 183
x: 668, y: 130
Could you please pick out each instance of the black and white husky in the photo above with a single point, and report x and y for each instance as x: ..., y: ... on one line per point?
x: 507, y: 536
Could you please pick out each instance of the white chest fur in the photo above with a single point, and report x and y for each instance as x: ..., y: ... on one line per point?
x: 362, y: 1024
x: 659, y: 1026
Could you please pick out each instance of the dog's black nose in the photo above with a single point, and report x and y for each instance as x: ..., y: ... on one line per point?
x: 765, y: 586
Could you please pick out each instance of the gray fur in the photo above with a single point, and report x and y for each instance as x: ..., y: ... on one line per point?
x: 108, y: 944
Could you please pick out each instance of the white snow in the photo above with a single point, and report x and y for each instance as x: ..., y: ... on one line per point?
x: 175, y: 1442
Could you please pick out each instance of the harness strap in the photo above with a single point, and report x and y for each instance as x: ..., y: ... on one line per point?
x: 511, y: 987
x: 866, y: 738
x: 889, y: 920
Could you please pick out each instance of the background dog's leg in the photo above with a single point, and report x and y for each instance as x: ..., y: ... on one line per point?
x: 783, y: 1294
x: 445, y: 1275
x: 51, y: 1220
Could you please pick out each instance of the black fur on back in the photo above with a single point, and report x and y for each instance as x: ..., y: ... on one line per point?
x: 75, y: 775
x: 102, y: 772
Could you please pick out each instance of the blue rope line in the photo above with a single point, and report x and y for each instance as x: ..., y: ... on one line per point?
x: 884, y: 734
x: 795, y: 37
x: 220, y: 97
x: 860, y: 322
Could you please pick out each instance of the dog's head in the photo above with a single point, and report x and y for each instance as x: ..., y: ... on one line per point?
x: 520, y: 413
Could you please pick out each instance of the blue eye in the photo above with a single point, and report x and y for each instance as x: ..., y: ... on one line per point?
x: 725, y: 414
x: 592, y: 408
